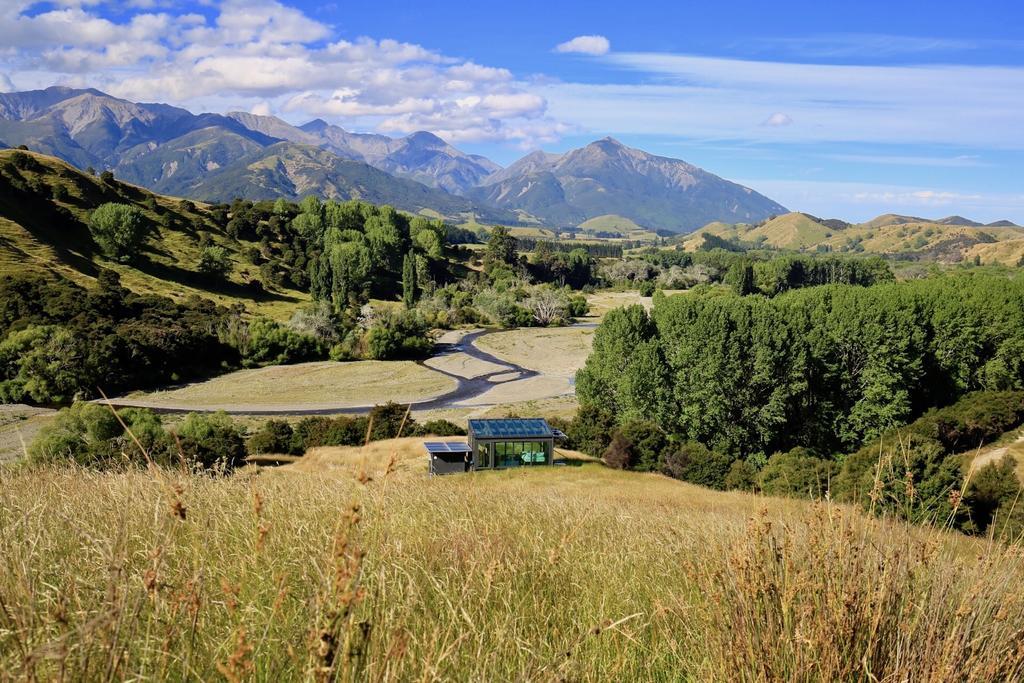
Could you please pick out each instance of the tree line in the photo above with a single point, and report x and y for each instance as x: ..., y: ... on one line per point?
x: 825, y: 369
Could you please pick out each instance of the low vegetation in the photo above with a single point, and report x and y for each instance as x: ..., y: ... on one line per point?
x: 96, y: 436
x: 308, y: 574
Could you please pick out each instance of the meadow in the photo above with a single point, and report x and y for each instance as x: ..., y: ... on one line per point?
x: 354, y: 565
x: 304, y: 386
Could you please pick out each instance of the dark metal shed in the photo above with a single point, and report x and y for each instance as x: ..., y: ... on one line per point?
x: 447, y: 457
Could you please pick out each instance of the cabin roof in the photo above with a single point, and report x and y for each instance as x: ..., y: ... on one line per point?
x: 434, y: 447
x: 509, y: 428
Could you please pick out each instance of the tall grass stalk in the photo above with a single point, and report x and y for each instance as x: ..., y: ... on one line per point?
x: 574, y: 573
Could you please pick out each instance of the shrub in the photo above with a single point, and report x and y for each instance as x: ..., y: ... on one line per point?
x: 991, y: 496
x: 440, y: 428
x: 211, y: 441
x: 270, y: 343
x: 647, y: 288
x: 43, y: 364
x: 398, y: 336
x: 694, y: 463
x: 619, y: 453
x: 275, y: 436
x: 796, y: 473
x: 313, y: 432
x: 648, y: 444
x: 591, y: 429
x: 119, y: 230
x: 214, y: 261
x: 742, y: 476
x: 91, y: 435
x: 390, y: 421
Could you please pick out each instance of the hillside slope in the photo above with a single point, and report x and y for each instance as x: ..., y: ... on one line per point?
x: 566, y: 573
x: 44, y: 207
x: 913, y: 237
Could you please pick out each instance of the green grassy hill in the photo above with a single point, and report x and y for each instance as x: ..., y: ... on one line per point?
x: 791, y: 231
x: 44, y: 209
x: 888, y: 234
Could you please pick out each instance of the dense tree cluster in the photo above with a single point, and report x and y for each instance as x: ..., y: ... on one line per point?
x: 746, y: 273
x: 59, y: 341
x: 806, y: 375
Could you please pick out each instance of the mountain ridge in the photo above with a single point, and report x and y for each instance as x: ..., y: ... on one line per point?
x: 607, y: 177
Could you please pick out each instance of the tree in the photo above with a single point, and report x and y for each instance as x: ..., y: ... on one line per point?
x: 694, y: 463
x: 409, y: 292
x: 501, y: 248
x: 119, y: 229
x: 214, y: 261
x: 625, y: 372
x: 548, y: 306
x: 741, y: 277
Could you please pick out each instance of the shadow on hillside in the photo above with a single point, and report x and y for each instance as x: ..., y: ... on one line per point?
x: 190, y: 278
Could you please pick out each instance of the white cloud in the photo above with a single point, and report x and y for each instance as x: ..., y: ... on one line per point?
x: 267, y: 56
x: 261, y: 109
x: 715, y: 98
x: 585, y: 45
x: 777, y: 119
x: 6, y: 85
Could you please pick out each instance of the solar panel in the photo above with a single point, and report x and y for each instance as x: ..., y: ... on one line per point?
x: 510, y: 428
x: 446, y: 447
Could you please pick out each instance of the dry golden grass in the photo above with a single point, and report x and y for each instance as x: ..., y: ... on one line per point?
x: 565, y: 573
x: 305, y: 386
x: 553, y: 351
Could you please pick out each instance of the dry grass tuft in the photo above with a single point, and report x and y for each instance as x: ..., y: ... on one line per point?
x: 567, y: 573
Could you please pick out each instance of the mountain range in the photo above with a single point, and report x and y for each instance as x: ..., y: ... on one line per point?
x: 221, y: 156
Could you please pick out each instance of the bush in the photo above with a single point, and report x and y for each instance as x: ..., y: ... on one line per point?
x: 694, y: 463
x: 991, y: 496
x: 270, y: 343
x: 648, y: 443
x: 214, y: 261
x: 440, y: 428
x: 742, y: 476
x: 391, y: 420
x: 275, y: 436
x: 91, y: 435
x: 119, y: 230
x: 398, y: 336
x: 619, y: 453
x: 591, y: 429
x: 43, y: 364
x: 647, y: 288
x: 313, y: 432
x: 797, y: 473
x: 211, y: 441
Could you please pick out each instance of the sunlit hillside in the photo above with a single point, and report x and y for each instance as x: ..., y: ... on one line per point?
x: 565, y: 573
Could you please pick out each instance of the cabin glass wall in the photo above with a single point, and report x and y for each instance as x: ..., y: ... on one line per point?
x: 520, y: 453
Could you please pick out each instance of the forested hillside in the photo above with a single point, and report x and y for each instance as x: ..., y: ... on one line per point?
x: 729, y: 379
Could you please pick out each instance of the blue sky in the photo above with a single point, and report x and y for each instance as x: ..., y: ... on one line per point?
x: 839, y: 109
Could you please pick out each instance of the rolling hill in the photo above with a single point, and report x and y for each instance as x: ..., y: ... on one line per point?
x: 45, y: 204
x: 942, y: 240
x: 606, y: 177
